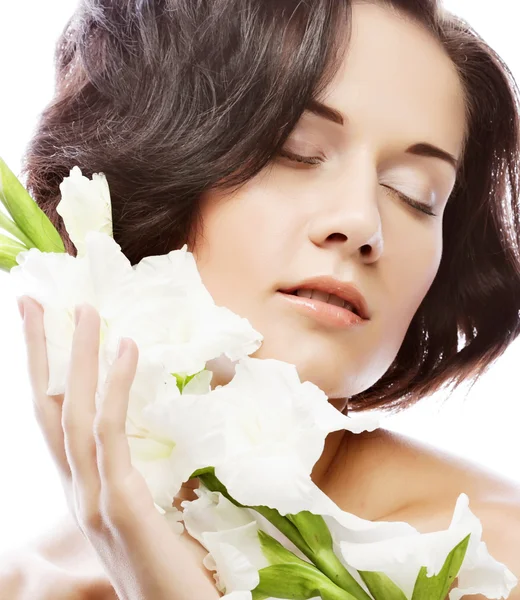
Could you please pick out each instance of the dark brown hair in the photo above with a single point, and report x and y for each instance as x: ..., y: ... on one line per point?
x: 171, y: 98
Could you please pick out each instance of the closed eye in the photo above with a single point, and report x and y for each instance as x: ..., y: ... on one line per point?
x: 316, y: 160
x: 308, y: 160
x: 420, y: 206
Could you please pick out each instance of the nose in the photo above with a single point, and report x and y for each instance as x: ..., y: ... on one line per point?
x: 348, y: 218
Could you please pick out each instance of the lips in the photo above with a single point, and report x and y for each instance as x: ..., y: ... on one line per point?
x: 330, y: 286
x: 325, y: 297
x: 328, y: 315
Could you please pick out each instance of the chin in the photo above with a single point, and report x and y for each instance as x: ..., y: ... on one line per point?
x: 339, y: 374
x: 331, y: 376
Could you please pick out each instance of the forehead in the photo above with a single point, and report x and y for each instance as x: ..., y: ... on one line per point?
x: 396, y: 80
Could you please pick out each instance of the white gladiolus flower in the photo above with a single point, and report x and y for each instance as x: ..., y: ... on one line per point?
x: 275, y: 432
x: 161, y: 304
x: 230, y: 534
x: 227, y: 533
x: 173, y: 436
x: 85, y: 206
x: 402, y: 557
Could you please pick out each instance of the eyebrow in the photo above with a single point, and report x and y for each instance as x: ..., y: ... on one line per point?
x: 419, y: 149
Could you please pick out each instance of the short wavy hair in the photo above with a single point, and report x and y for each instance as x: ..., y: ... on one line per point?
x: 172, y: 98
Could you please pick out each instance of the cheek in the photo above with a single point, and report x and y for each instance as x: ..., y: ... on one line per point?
x: 408, y: 271
x: 417, y: 268
x: 426, y: 264
x: 237, y: 248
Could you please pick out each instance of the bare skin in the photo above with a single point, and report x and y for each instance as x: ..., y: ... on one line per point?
x: 341, y: 219
x: 394, y: 477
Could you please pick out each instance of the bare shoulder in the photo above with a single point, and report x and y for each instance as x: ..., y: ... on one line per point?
x: 415, y: 473
x: 59, y: 565
x: 381, y: 472
x: 437, y: 479
x: 500, y: 521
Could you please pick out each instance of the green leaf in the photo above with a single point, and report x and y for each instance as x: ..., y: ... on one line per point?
x: 284, y: 525
x: 203, y: 471
x: 26, y: 214
x: 9, y: 250
x: 183, y: 379
x: 273, y: 516
x: 276, y: 553
x: 438, y: 586
x: 213, y: 484
x: 314, y: 530
x: 325, y: 561
x: 297, y: 582
x: 381, y: 586
x: 10, y: 227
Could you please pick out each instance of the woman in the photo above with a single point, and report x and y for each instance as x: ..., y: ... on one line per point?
x: 375, y: 143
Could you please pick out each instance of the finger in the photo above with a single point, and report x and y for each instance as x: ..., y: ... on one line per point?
x: 113, y: 451
x: 47, y: 409
x: 79, y: 408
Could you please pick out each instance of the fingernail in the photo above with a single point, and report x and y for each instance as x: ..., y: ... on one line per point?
x: 21, y: 306
x: 77, y: 313
x: 122, y: 347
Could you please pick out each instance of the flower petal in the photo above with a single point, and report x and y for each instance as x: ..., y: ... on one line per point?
x: 402, y: 557
x: 275, y: 432
x: 85, y: 206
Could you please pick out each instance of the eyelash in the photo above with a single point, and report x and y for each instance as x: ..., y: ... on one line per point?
x: 316, y: 160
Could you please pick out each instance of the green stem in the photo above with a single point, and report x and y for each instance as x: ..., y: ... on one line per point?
x: 297, y: 582
x: 336, y: 593
x: 330, y: 565
x: 318, y: 537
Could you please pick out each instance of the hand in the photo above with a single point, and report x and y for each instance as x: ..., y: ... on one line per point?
x: 108, y: 498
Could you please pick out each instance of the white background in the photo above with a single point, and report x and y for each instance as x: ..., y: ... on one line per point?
x: 483, y: 427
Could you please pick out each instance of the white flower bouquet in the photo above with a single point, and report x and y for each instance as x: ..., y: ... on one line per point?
x: 269, y: 530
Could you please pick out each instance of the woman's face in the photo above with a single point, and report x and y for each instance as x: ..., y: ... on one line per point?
x: 396, y: 88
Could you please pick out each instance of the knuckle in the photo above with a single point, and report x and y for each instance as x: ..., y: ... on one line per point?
x: 115, y: 506
x: 68, y: 420
x: 91, y: 519
x: 47, y: 410
x: 103, y: 427
x: 118, y: 518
